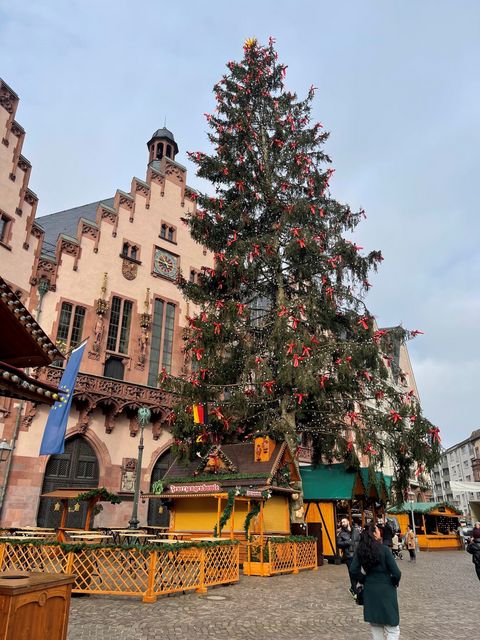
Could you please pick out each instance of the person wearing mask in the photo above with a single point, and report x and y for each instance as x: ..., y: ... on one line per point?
x: 410, y: 544
x: 347, y: 539
x: 373, y: 566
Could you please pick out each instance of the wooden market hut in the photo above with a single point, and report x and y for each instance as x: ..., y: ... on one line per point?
x: 256, y: 476
x: 436, y: 524
x: 325, y: 488
x: 61, y: 497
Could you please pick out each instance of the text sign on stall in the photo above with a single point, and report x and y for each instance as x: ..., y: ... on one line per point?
x: 252, y: 493
x: 195, y: 488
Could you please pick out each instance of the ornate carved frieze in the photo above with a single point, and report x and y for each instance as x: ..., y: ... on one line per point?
x: 174, y: 172
x: 36, y: 231
x: 125, y: 200
x: 17, y: 130
x: 23, y: 164
x: 127, y: 483
x: 94, y: 391
x: 69, y: 247
x: 30, y: 197
x: 157, y: 177
x: 108, y: 214
x: 8, y: 99
x: 89, y: 230
x: 140, y: 187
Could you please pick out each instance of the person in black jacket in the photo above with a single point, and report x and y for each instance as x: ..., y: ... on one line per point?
x: 347, y: 540
x: 387, y: 534
x: 474, y: 549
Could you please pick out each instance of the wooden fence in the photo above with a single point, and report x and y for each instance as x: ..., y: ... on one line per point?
x: 145, y: 572
x: 280, y: 557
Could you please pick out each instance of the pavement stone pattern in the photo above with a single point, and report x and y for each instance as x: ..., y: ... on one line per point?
x: 439, y: 600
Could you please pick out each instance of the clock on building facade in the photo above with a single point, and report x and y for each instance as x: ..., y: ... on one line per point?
x: 165, y: 264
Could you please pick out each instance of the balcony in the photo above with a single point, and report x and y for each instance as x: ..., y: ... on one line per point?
x: 113, y: 397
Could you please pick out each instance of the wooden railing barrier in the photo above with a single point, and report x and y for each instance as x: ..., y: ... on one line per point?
x: 129, y: 571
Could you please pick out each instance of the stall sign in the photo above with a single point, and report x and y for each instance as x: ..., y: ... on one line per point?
x: 251, y: 493
x: 195, y: 488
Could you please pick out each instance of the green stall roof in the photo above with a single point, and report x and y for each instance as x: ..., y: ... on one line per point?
x: 423, y: 507
x: 328, y: 482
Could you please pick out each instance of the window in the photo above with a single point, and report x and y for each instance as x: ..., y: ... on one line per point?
x: 163, y: 326
x: 70, y: 324
x: 119, y: 327
x: 194, y: 275
x: 168, y: 232
x: 114, y: 368
x: 130, y: 250
x: 5, y: 223
x: 160, y: 151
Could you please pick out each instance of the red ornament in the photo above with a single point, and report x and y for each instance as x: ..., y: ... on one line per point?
x: 306, y: 351
x: 296, y: 360
x: 268, y: 386
x: 323, y: 380
x: 395, y: 416
x: 291, y: 346
x: 363, y: 321
x: 217, y: 328
x: 300, y: 396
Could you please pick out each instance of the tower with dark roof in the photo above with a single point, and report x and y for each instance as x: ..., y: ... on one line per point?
x: 162, y: 143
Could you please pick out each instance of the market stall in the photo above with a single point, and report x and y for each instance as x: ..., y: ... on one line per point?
x: 233, y: 489
x: 330, y: 492
x: 436, y: 524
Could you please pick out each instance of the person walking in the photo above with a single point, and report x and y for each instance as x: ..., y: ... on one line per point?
x: 474, y: 548
x: 410, y: 544
x: 347, y: 539
x: 373, y: 566
x: 387, y: 534
x: 476, y: 531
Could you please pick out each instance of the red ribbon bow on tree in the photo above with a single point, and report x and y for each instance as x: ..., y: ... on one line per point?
x: 395, y: 416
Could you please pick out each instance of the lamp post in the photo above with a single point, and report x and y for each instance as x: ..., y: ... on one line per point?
x: 143, y: 417
x: 5, y: 450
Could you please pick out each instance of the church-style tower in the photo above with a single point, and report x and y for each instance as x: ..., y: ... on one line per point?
x: 162, y: 144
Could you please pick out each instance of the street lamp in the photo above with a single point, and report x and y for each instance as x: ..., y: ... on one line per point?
x: 5, y: 450
x: 143, y: 418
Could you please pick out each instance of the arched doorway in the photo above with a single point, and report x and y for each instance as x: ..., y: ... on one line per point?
x: 77, y: 468
x: 158, y: 513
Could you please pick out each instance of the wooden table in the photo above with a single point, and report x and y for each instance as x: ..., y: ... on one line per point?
x: 90, y: 538
x: 163, y: 541
x: 23, y: 538
x: 134, y: 535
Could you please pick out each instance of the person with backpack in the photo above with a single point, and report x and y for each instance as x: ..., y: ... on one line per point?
x: 373, y: 566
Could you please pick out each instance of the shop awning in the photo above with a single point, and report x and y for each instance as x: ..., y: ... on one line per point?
x: 331, y: 482
x: 425, y: 508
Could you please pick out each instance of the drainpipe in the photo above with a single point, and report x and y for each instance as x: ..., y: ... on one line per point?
x: 43, y: 287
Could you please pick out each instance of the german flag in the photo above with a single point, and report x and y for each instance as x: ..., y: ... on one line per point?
x: 198, y: 413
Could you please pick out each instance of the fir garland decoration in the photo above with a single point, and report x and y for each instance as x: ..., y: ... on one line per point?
x: 101, y: 493
x: 227, y: 512
x: 253, y: 513
x: 209, y: 477
x: 81, y: 546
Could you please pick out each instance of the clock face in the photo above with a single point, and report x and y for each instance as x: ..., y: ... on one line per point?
x: 165, y: 264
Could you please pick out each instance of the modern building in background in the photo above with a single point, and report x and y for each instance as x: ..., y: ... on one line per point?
x: 460, y: 463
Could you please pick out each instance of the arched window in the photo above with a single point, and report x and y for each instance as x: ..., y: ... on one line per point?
x: 159, y: 150
x: 114, y: 368
x: 169, y: 150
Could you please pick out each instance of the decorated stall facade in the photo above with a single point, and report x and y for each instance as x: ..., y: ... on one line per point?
x: 436, y: 524
x: 232, y: 489
x: 333, y: 491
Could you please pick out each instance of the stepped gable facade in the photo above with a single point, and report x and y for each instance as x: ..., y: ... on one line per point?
x: 105, y: 272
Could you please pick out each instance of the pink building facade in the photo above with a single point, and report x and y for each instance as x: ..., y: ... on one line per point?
x: 105, y: 271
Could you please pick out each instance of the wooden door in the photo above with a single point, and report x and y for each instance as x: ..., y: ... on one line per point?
x: 158, y: 514
x: 77, y: 468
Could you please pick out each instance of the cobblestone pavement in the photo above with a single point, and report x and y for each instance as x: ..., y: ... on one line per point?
x: 439, y: 599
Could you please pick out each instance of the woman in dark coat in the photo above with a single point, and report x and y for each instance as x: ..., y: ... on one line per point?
x: 374, y: 566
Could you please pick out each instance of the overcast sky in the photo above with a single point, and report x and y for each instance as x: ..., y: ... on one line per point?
x: 398, y: 88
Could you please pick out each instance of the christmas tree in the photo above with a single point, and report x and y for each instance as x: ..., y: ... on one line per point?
x: 283, y: 343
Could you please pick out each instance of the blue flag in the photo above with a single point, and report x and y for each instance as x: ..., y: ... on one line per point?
x: 53, y: 440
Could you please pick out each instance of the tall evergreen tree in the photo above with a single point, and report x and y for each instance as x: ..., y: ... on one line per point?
x: 283, y: 343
